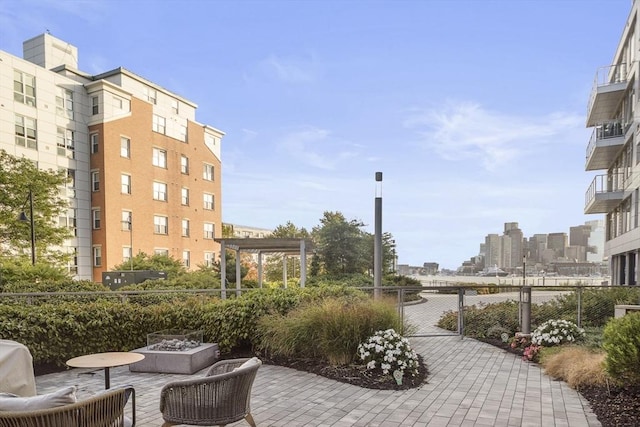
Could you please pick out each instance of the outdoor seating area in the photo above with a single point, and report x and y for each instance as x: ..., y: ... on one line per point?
x: 219, y: 397
x: 469, y: 383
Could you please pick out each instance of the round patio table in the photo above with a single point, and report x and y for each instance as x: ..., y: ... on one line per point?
x: 106, y: 361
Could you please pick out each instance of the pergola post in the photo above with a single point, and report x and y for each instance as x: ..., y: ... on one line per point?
x: 303, y: 264
x: 284, y: 270
x: 260, y: 269
x: 238, y: 273
x: 223, y: 271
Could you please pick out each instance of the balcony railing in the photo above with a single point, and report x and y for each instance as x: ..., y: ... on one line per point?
x: 604, y: 193
x: 606, y: 140
x: 608, y: 87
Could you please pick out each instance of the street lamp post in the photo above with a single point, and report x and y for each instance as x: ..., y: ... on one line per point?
x: 377, y: 247
x: 23, y: 217
x: 526, y: 300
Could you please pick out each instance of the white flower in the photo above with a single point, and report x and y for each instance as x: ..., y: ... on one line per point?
x: 389, y: 351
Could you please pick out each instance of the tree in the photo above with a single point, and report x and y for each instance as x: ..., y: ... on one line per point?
x: 289, y: 230
x: 341, y: 245
x: 388, y: 251
x: 19, y: 176
x: 156, y: 262
x: 273, y: 268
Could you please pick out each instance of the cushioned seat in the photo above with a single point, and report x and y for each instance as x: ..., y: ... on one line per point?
x: 16, y: 369
x: 59, y: 409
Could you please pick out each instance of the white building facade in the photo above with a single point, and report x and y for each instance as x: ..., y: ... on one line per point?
x: 614, y: 152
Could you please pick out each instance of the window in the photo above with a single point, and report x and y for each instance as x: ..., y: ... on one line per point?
x: 160, y: 224
x: 208, y: 259
x: 159, y: 124
x: 94, y: 142
x: 26, y: 132
x: 68, y: 220
x: 183, y: 133
x: 185, y: 228
x: 125, y: 184
x: 184, y: 165
x: 175, y: 106
x: 160, y: 191
x: 119, y: 103
x: 186, y: 258
x: 151, y: 95
x: 95, y: 109
x: 64, y: 103
x: 162, y: 252
x: 208, y: 230
x: 95, y: 218
x: 24, y: 88
x: 208, y: 201
x: 65, y: 143
x: 97, y: 256
x: 71, y: 183
x: 95, y: 181
x: 159, y: 158
x: 126, y: 253
x: 126, y: 220
x: 185, y: 196
x: 125, y: 147
x: 207, y: 172
x: 72, y: 265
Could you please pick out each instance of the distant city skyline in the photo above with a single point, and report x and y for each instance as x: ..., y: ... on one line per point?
x: 474, y: 111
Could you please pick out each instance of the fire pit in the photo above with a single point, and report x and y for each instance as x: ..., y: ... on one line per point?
x: 175, y: 351
x: 174, y: 340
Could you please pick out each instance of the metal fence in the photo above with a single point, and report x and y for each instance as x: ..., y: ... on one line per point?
x: 469, y: 308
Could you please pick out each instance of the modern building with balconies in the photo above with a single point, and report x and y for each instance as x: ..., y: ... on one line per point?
x: 614, y: 150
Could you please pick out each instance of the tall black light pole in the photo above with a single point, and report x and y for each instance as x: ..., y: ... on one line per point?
x: 23, y: 217
x: 526, y: 299
x: 377, y: 247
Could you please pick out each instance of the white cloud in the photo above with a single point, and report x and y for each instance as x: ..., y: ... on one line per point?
x: 317, y: 148
x: 291, y: 70
x: 466, y: 130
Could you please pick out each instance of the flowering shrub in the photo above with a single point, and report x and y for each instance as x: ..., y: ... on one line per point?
x: 555, y: 332
x: 531, y: 352
x: 520, y: 341
x: 390, y: 352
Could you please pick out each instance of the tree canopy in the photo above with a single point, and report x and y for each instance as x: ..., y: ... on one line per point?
x: 341, y: 245
x: 18, y: 177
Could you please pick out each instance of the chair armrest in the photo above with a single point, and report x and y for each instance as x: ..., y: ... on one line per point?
x: 224, y: 366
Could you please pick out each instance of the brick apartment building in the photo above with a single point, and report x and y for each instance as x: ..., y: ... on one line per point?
x: 145, y: 175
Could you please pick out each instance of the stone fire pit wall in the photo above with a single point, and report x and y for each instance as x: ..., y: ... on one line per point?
x: 175, y: 352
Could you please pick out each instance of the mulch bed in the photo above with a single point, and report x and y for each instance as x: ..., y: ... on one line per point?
x: 354, y: 374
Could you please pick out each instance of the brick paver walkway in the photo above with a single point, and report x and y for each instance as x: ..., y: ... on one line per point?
x: 470, y: 384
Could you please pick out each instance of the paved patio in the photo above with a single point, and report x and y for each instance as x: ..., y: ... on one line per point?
x: 470, y: 384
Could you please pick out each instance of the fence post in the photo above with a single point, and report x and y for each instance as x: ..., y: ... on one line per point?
x: 401, y: 309
x: 461, y: 312
x: 525, y: 301
x: 579, y: 298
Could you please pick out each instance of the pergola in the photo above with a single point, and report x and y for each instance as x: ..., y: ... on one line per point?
x: 285, y: 246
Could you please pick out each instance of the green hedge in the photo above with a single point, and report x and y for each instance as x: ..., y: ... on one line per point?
x: 597, y: 306
x: 57, y: 331
x: 621, y: 341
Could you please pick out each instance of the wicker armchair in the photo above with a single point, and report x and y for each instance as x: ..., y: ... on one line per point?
x: 220, y: 397
x: 105, y: 409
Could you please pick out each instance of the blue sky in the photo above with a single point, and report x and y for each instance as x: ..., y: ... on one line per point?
x: 473, y: 110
